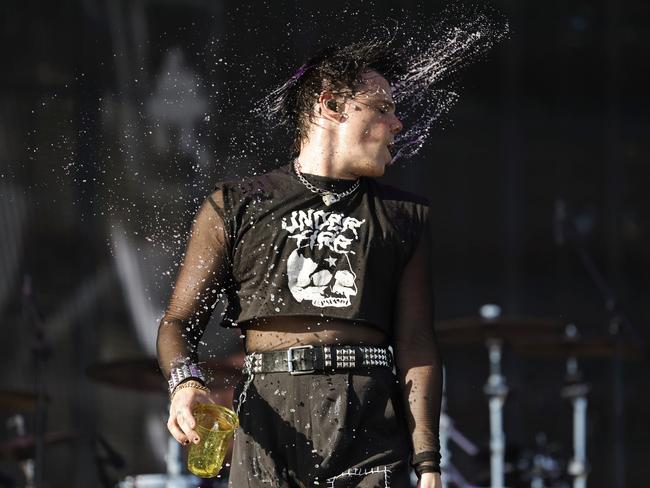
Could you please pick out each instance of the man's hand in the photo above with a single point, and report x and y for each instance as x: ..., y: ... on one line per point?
x: 181, y: 422
x: 430, y: 480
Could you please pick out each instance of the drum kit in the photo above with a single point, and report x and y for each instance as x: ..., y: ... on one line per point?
x: 529, y: 337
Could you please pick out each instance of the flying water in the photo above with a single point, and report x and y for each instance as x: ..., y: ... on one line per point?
x: 421, y: 94
x: 430, y: 56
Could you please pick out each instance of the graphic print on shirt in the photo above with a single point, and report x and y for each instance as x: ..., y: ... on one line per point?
x: 319, y: 269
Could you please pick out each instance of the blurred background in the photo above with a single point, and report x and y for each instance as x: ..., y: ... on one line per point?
x: 118, y: 117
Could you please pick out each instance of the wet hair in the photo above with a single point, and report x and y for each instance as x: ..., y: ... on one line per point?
x: 338, y: 68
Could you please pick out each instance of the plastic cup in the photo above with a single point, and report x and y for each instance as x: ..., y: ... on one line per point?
x: 215, y: 425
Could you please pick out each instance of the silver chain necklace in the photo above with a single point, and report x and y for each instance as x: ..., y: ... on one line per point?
x: 329, y: 197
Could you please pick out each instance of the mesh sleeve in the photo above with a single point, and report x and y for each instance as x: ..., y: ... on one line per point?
x: 200, y: 282
x: 418, y: 362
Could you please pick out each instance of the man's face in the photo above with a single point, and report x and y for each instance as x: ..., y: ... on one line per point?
x: 364, y: 137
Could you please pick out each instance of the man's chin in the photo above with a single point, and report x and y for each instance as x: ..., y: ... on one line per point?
x: 372, y: 168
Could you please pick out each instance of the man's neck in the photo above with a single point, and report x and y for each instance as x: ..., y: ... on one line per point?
x: 320, y: 159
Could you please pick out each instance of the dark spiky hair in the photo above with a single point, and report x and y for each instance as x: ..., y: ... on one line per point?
x: 338, y: 68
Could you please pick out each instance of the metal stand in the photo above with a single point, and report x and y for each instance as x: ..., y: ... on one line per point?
x: 40, y: 354
x: 17, y: 424
x: 576, y: 390
x: 496, y: 390
x: 619, y: 323
x: 450, y: 473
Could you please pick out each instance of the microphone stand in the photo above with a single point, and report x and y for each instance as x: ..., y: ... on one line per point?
x: 40, y: 354
x: 618, y: 323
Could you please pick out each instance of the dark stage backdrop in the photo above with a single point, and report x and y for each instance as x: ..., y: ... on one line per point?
x: 117, y: 117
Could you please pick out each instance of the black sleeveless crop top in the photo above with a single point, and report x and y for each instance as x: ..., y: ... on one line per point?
x: 288, y: 253
x: 270, y: 246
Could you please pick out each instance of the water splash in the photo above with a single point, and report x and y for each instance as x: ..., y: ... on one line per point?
x: 427, y: 88
x: 419, y: 91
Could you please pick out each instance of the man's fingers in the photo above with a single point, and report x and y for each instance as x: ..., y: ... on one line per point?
x: 187, y: 423
x: 181, y: 420
x: 176, y: 432
x: 186, y: 413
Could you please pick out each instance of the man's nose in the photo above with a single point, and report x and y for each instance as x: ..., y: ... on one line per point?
x: 397, y: 125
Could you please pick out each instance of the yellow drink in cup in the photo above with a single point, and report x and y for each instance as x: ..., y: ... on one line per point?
x: 215, y: 425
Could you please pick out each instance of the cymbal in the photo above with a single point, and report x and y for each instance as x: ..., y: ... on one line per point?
x: 597, y: 347
x: 143, y: 374
x: 17, y: 401
x: 24, y: 447
x: 512, y: 328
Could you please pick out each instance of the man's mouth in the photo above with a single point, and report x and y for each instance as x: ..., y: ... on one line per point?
x: 391, y: 148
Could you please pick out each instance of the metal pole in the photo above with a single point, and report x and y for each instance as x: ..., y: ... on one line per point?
x: 577, y: 390
x: 496, y: 390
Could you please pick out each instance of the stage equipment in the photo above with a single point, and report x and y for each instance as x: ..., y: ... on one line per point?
x: 570, y: 347
x: 448, y: 432
x: 569, y: 232
x: 23, y: 447
x: 493, y: 329
x: 41, y: 352
x: 506, y: 328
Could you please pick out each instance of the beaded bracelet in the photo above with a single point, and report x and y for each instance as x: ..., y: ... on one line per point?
x: 189, y: 384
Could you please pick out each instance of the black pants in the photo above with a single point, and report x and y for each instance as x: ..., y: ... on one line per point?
x: 321, y: 430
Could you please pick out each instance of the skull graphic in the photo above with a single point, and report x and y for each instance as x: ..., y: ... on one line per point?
x: 319, y: 269
x: 320, y: 286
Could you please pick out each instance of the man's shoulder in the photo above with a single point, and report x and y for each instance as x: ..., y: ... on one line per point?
x: 255, y: 183
x: 394, y: 194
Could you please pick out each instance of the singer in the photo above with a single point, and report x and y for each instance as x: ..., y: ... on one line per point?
x: 327, y: 274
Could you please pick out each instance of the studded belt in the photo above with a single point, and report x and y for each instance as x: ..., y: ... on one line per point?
x: 312, y: 359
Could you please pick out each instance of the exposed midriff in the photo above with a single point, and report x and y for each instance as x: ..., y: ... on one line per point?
x: 281, y: 332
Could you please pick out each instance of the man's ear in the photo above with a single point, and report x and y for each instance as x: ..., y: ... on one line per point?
x: 332, y: 105
x: 328, y: 106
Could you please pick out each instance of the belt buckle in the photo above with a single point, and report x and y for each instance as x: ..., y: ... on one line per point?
x: 290, y: 360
